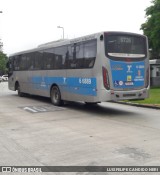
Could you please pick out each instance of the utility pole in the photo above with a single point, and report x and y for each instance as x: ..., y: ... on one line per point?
x: 62, y: 29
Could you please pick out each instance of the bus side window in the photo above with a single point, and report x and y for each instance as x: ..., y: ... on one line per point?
x: 23, y: 62
x: 75, y: 56
x: 30, y: 57
x: 80, y: 55
x: 90, y: 51
x: 72, y: 56
x: 16, y: 63
x: 60, y: 61
x: 10, y: 64
x: 49, y: 59
x: 30, y: 61
x: 38, y: 58
x: 70, y: 60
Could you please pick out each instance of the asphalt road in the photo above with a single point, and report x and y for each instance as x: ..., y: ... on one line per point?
x: 33, y: 132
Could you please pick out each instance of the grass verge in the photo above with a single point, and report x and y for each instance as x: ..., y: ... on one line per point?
x: 154, y: 98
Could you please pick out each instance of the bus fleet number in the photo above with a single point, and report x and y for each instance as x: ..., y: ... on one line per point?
x: 85, y: 80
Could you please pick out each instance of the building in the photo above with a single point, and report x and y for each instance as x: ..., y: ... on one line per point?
x: 155, y: 73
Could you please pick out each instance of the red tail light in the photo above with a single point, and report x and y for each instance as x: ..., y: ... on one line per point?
x: 105, y: 78
x: 147, y: 77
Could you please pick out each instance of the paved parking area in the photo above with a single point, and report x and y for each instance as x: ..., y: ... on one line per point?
x: 33, y: 132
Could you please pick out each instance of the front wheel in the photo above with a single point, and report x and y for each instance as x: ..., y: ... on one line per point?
x: 56, y: 96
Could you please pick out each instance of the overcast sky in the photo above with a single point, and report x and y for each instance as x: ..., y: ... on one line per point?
x: 24, y: 24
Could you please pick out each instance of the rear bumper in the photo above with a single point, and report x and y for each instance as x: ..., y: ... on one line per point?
x: 112, y: 95
x: 128, y: 95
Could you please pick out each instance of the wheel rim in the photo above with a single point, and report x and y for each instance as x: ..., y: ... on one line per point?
x: 55, y: 96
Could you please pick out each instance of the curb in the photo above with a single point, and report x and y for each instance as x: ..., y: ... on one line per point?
x: 139, y: 105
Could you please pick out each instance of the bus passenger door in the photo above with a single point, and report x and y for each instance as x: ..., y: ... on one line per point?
x: 36, y: 75
x: 57, y: 59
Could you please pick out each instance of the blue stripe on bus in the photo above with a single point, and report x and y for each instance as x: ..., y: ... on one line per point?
x: 75, y: 85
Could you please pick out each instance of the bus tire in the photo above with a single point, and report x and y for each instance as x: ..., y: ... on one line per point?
x: 56, y: 96
x: 20, y: 94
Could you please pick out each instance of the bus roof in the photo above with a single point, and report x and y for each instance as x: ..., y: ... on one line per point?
x: 62, y: 42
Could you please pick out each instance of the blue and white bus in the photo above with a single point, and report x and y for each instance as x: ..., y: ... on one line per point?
x: 107, y: 66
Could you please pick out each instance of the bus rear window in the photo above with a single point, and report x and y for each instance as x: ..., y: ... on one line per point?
x: 123, y: 46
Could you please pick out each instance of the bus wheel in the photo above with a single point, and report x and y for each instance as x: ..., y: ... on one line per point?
x: 20, y: 94
x: 56, y: 96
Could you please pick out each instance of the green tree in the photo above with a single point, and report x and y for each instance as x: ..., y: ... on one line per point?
x: 151, y: 28
x: 3, y: 61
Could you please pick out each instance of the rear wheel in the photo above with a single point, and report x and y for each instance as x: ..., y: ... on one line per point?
x: 56, y: 96
x: 20, y: 94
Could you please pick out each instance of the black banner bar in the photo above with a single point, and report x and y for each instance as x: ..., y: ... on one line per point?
x: 32, y: 169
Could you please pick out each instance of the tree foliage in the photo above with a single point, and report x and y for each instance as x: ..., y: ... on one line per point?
x: 3, y: 61
x: 151, y: 27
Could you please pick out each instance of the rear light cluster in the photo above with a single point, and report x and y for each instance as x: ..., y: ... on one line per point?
x: 105, y: 78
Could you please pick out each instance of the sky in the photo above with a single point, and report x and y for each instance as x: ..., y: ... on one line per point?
x: 25, y: 24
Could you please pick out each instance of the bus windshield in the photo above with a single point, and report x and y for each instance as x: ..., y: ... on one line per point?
x: 125, y: 46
